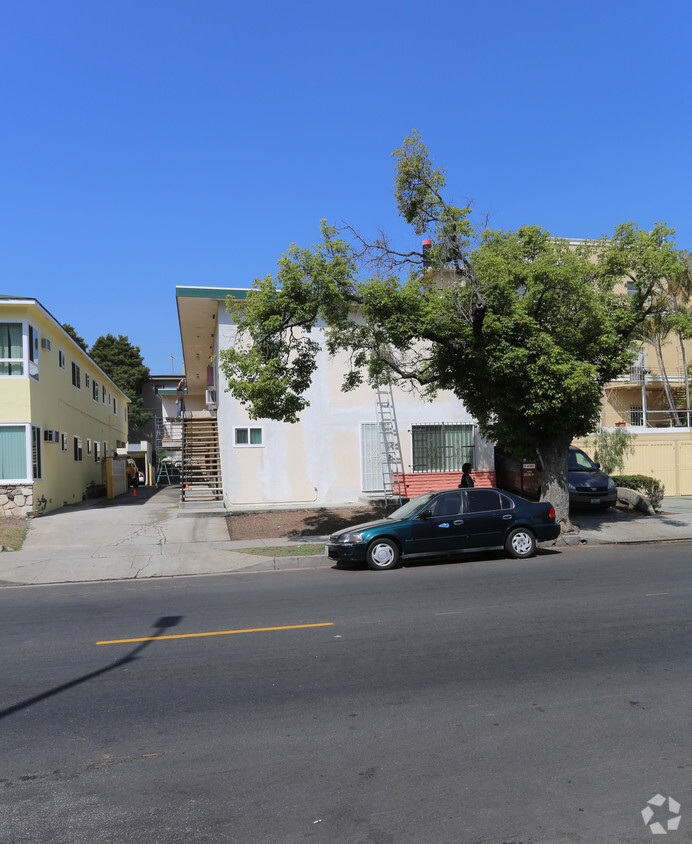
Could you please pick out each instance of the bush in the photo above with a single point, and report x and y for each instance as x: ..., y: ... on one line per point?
x: 654, y: 490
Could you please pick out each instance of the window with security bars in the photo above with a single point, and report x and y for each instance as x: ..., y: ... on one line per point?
x: 441, y: 448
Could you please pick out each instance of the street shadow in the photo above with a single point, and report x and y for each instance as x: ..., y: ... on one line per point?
x: 160, y: 626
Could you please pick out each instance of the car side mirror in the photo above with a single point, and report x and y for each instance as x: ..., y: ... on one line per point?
x: 598, y: 465
x: 425, y: 514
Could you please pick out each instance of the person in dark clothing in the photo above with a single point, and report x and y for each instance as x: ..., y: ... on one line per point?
x: 466, y: 479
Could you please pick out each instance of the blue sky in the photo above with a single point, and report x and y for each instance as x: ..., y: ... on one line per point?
x: 148, y: 144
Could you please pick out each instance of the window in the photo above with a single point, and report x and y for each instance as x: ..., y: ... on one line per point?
x: 33, y: 352
x: 105, y: 449
x: 61, y: 359
x: 482, y: 500
x: 115, y: 406
x: 11, y: 354
x: 35, y: 452
x: 76, y: 376
x: 248, y: 437
x: 63, y: 441
x: 86, y: 380
x: 448, y: 504
x: 88, y: 447
x: 441, y: 448
x: 13, y: 453
x: 97, y: 451
x: 636, y: 415
x: 77, y: 446
x: 20, y: 453
x: 103, y: 394
x: 95, y: 390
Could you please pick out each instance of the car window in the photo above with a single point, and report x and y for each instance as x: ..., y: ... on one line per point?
x: 578, y: 460
x: 482, y: 500
x: 448, y: 504
x: 506, y: 503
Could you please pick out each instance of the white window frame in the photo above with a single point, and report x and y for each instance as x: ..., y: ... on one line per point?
x: 87, y: 381
x: 37, y: 461
x: 76, y: 370
x: 28, y: 452
x: 77, y: 450
x: 62, y: 358
x: 95, y: 390
x: 88, y: 447
x: 63, y: 441
x: 97, y: 451
x: 248, y: 428
x: 30, y: 351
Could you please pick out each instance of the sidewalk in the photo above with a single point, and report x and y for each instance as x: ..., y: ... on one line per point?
x: 151, y: 536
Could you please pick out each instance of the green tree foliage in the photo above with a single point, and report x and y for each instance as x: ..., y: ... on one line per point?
x: 611, y: 447
x: 79, y: 340
x: 520, y: 326
x: 123, y: 364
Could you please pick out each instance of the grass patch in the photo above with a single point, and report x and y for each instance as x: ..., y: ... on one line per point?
x: 310, y: 550
x: 12, y: 533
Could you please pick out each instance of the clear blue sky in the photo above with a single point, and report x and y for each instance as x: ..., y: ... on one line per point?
x: 148, y: 144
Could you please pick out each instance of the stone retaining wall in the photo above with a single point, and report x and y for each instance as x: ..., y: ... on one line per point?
x: 16, y: 500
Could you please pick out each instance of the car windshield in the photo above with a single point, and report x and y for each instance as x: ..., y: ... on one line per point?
x: 578, y: 461
x: 408, y: 509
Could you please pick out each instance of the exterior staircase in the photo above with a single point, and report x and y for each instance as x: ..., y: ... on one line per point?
x: 201, y: 461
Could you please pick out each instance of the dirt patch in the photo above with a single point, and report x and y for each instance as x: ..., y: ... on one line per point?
x: 289, y: 523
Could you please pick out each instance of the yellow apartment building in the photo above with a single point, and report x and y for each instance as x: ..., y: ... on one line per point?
x: 60, y: 414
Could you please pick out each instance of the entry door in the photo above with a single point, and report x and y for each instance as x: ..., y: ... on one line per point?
x: 370, y: 466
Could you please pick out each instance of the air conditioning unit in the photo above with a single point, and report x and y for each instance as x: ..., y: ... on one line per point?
x: 45, y: 343
x: 210, y: 397
x: 51, y: 436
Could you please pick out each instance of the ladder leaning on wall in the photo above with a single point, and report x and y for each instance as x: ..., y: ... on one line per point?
x: 391, y: 461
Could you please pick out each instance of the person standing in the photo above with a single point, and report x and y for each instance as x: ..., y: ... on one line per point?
x: 466, y: 479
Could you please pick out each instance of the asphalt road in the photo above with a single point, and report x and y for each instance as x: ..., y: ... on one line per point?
x: 489, y: 701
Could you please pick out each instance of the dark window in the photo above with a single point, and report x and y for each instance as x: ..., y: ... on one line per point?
x: 482, y: 500
x: 441, y: 448
x: 448, y: 504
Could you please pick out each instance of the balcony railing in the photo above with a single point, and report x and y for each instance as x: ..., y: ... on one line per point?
x: 638, y: 418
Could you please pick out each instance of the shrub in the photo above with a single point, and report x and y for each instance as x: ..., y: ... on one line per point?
x: 654, y: 490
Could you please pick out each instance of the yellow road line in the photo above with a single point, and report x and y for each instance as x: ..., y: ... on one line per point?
x: 216, y: 633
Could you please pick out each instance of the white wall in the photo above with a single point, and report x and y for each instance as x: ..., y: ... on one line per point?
x: 317, y: 461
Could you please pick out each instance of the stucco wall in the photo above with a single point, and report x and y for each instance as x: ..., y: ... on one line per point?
x: 317, y: 461
x: 52, y: 402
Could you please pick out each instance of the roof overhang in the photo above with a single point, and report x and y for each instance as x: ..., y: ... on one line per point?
x: 197, y: 316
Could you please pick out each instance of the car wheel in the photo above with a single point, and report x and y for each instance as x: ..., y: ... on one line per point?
x: 382, y: 554
x: 520, y: 543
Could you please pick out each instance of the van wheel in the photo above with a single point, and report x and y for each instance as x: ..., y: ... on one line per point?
x: 520, y: 543
x: 382, y: 554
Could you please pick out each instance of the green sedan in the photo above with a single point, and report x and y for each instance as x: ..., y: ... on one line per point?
x: 447, y: 521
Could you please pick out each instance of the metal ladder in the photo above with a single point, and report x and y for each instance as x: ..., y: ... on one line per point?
x: 389, y: 444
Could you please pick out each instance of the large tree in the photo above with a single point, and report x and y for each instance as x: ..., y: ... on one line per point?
x: 123, y: 364
x: 524, y: 328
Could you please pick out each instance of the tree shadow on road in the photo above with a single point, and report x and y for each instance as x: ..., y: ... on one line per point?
x: 160, y: 626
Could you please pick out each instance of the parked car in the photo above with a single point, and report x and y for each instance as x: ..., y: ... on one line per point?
x: 589, y: 486
x: 447, y: 521
x: 141, y: 480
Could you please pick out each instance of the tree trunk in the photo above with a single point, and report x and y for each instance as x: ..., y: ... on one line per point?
x: 666, y: 382
x: 555, y: 488
x: 686, y: 376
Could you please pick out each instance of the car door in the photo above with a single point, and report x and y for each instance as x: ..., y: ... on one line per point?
x: 443, y: 530
x: 486, y: 519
